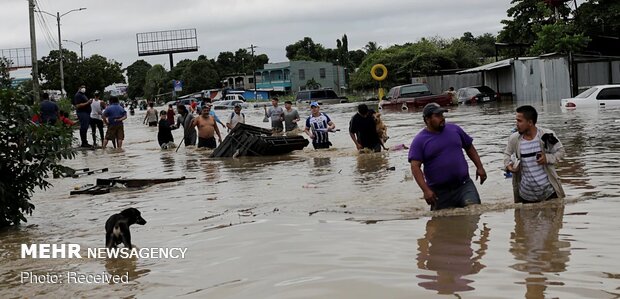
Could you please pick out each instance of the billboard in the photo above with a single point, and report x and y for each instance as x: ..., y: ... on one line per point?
x: 17, y: 58
x: 167, y: 42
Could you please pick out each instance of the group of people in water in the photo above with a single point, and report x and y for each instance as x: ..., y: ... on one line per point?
x: 436, y: 154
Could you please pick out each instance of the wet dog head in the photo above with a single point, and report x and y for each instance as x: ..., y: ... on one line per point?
x: 133, y: 216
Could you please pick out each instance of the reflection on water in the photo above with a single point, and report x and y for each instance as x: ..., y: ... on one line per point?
x: 125, y: 266
x: 372, y: 169
x: 536, y: 246
x: 447, y: 248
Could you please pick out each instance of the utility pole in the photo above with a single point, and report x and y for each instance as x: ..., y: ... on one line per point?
x: 33, y: 51
x: 81, y: 44
x: 62, y: 73
x: 254, y: 69
x: 63, y: 93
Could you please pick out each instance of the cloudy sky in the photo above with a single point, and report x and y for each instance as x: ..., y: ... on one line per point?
x: 233, y: 24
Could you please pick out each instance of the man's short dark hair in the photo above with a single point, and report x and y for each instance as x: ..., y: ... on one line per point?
x: 362, y: 109
x: 182, y: 108
x: 276, y: 99
x: 529, y: 113
x: 113, y: 99
x: 288, y: 102
x: 45, y: 96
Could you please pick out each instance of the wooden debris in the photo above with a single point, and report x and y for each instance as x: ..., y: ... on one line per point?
x: 247, y: 140
x: 134, y: 183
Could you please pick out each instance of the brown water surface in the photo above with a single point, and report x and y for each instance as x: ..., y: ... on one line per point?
x: 297, y: 226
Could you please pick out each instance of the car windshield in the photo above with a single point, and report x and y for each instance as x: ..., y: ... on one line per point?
x: 467, y: 92
x: 413, y: 89
x: 485, y: 89
x: 586, y: 93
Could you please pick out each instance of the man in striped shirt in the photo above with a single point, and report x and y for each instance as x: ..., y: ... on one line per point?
x: 318, y: 124
x: 537, y: 150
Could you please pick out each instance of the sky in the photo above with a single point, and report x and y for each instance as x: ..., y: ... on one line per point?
x: 232, y: 24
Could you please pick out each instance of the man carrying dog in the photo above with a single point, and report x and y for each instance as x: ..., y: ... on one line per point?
x: 439, y: 146
x: 207, y: 128
x: 363, y: 130
x: 537, y: 151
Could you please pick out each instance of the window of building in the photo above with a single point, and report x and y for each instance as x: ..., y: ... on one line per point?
x: 322, y: 73
x: 302, y: 74
x: 250, y: 80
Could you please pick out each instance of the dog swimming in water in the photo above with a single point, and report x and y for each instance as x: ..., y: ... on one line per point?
x: 117, y: 227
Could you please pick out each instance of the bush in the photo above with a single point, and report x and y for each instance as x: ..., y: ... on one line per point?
x: 28, y: 152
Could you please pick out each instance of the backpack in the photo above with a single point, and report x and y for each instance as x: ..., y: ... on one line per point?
x: 233, y: 115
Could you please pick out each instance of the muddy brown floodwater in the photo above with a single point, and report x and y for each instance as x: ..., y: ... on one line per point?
x: 335, y: 224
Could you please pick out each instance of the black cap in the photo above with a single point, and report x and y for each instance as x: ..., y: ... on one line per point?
x: 432, y: 108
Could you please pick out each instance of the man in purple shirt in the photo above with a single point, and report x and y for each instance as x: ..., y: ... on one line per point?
x: 439, y: 146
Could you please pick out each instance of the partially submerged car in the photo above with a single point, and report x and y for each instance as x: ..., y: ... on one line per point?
x: 409, y: 96
x: 476, y: 94
x: 228, y: 104
x: 322, y: 96
x: 602, y: 96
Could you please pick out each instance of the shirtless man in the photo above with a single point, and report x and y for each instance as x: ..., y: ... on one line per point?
x: 207, y: 128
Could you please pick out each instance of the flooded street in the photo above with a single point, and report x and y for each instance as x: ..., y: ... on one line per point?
x: 336, y: 224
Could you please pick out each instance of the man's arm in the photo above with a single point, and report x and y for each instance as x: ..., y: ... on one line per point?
x: 217, y: 131
x: 354, y: 138
x: 418, y: 175
x: 473, y: 155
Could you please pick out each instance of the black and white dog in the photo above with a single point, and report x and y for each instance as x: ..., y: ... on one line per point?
x: 117, y: 227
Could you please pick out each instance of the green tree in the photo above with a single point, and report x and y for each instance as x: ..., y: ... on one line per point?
x: 5, y: 76
x: 200, y: 75
x: 527, y: 17
x: 312, y: 84
x: 226, y: 63
x: 28, y: 152
x: 558, y: 38
x: 155, y: 81
x: 371, y: 47
x: 96, y: 72
x: 305, y: 49
x: 136, y: 78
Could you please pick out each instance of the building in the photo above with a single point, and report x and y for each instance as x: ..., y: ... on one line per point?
x: 238, y: 81
x: 293, y: 76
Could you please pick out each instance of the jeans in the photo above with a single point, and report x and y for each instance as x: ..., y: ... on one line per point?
x: 458, y: 195
x: 84, y: 118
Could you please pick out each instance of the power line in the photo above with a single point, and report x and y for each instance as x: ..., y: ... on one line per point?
x: 51, y: 42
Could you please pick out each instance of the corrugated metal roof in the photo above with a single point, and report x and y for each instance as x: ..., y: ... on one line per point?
x: 490, y: 66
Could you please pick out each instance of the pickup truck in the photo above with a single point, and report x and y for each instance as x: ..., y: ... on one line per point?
x: 410, y: 96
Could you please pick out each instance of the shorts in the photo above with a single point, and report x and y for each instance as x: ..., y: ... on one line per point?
x: 552, y: 196
x: 153, y: 124
x: 376, y: 148
x: 457, y: 195
x: 321, y: 145
x: 207, y: 142
x: 115, y: 133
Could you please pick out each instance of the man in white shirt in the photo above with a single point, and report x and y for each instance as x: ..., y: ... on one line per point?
x: 96, y: 121
x: 235, y: 118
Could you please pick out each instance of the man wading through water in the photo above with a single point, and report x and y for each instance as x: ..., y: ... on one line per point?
x: 207, y: 128
x: 445, y: 180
